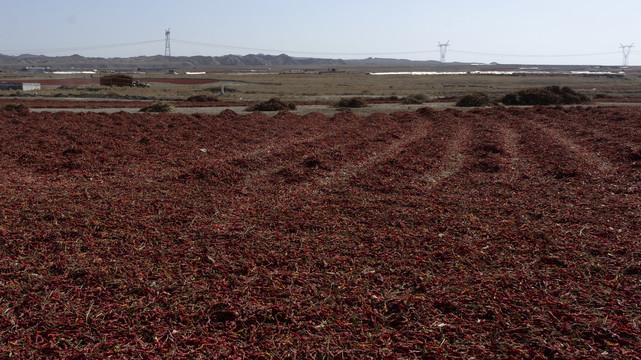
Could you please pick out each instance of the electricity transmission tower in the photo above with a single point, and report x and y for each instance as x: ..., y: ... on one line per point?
x: 443, y: 49
x: 167, y: 45
x: 626, y: 53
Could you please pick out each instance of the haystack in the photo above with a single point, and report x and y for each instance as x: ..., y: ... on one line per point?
x: 117, y: 80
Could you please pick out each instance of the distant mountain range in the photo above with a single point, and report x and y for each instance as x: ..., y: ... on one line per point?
x: 8, y: 62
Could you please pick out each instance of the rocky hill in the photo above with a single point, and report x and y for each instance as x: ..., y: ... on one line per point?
x: 13, y: 63
x: 157, y: 62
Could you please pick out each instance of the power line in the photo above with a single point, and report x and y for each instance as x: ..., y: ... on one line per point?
x: 167, y: 45
x: 626, y: 53
x: 316, y: 53
x: 532, y: 55
x: 81, y: 48
x: 442, y: 48
x: 194, y: 43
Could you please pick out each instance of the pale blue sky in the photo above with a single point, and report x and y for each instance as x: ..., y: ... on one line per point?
x: 505, y: 31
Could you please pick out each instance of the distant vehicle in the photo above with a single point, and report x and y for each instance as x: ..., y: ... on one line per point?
x: 141, y: 84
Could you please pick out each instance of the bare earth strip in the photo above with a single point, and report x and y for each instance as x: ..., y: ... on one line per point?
x: 452, y: 159
x: 419, y: 131
x: 591, y: 159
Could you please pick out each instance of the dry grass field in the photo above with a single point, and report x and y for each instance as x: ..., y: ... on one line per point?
x: 318, y: 85
x: 308, y: 87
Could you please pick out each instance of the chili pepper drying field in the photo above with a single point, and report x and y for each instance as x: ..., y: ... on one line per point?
x: 494, y: 233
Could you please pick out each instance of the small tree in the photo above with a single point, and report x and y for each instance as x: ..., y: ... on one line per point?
x: 273, y: 104
x: 354, y: 102
x: 159, y: 107
x: 551, y: 95
x: 474, y: 100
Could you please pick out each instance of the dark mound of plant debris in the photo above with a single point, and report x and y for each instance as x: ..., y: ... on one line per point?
x: 160, y: 107
x: 354, y: 102
x: 550, y: 95
x: 273, y: 104
x: 16, y: 107
x: 474, y: 100
x: 410, y: 101
x: 202, y: 98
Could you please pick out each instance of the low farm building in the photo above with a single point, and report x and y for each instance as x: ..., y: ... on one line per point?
x: 36, y: 69
x: 117, y: 80
x: 20, y: 86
